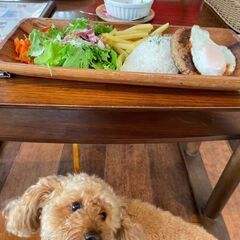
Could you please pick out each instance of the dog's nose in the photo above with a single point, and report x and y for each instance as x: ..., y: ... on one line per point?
x: 92, y: 236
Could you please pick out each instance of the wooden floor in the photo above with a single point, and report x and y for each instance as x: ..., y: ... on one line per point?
x: 151, y: 172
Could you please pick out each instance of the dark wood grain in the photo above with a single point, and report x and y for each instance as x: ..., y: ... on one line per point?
x: 130, y: 126
x: 93, y: 159
x: 43, y: 94
x: 131, y: 179
x: 167, y: 156
x: 8, y: 152
x: 39, y: 161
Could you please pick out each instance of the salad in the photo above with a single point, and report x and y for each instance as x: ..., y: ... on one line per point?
x: 77, y: 45
x: 83, y: 44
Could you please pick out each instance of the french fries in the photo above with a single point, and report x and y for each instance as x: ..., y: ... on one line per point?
x: 133, y: 35
x: 125, y: 46
x: 111, y: 38
x: 160, y: 30
x: 120, y: 61
x: 113, y: 31
x: 120, y: 51
x: 124, y: 41
x: 139, y: 27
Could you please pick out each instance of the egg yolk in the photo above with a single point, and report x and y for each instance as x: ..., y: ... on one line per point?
x: 213, y: 59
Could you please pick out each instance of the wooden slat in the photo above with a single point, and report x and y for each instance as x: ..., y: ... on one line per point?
x: 93, y: 159
x: 127, y: 170
x: 169, y: 177
x: 202, y: 189
x: 33, y: 161
x: 8, y: 153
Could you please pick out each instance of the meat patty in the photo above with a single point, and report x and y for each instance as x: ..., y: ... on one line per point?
x: 181, y: 51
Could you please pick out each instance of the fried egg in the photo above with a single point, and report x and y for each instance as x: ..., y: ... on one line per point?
x: 208, y: 57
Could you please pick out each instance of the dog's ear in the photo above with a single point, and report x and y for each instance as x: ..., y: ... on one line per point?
x: 22, y: 215
x: 130, y: 230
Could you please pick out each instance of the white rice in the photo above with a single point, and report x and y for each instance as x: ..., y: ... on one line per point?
x: 153, y: 56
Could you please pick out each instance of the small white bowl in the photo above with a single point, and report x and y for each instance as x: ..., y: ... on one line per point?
x: 128, y: 9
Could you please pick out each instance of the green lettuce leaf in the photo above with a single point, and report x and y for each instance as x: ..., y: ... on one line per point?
x: 100, y: 28
x: 82, y: 23
x: 77, y: 24
x: 78, y: 57
x: 38, y: 39
x: 54, y: 34
x: 47, y: 48
x: 86, y: 56
x: 37, y: 46
x: 51, y: 55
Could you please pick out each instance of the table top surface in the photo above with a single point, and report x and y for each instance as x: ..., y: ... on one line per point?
x: 37, y: 92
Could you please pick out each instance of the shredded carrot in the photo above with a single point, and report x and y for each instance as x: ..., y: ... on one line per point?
x: 22, y: 47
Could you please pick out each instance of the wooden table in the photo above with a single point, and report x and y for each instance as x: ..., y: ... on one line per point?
x: 43, y: 110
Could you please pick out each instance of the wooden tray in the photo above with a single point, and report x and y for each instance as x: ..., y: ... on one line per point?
x: 221, y: 36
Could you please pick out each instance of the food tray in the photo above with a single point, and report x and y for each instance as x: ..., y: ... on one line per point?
x: 221, y: 36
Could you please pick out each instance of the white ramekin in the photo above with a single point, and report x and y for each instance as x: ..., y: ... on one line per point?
x: 128, y: 11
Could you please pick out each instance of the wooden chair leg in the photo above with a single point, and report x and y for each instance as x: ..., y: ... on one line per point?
x: 201, y: 188
x: 225, y: 186
x: 76, y: 158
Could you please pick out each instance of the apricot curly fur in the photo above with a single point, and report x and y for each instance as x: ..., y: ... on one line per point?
x: 46, y: 208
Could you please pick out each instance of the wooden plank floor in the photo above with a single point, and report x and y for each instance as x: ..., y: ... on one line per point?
x: 151, y: 172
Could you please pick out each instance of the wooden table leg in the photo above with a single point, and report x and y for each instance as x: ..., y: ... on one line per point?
x: 201, y: 188
x: 225, y: 186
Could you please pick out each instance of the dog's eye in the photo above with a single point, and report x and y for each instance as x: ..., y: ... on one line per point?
x: 76, y: 205
x: 103, y: 216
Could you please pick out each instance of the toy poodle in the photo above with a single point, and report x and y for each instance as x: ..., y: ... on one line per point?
x: 83, y: 207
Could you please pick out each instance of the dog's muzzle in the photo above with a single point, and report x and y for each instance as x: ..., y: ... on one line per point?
x: 92, y: 236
